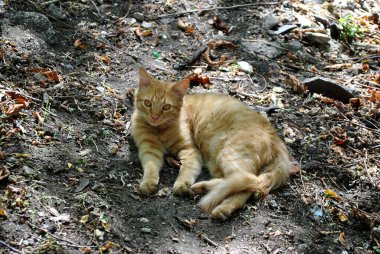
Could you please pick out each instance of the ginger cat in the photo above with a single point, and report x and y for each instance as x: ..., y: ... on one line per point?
x: 239, y: 147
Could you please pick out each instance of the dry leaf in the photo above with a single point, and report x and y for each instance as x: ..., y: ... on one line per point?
x: 331, y: 194
x: 4, y: 172
x: 219, y: 24
x: 342, y: 238
x: 105, y: 59
x: 79, y: 45
x: 185, y: 26
x: 51, y: 75
x: 2, y: 155
x: 37, y: 70
x: 3, y: 213
x: 342, y: 217
x: 22, y: 155
x: 297, y: 85
x: 336, y: 67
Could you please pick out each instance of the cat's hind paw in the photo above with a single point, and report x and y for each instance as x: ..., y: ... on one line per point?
x: 148, y: 187
x: 199, y: 188
x: 182, y: 188
x: 221, y: 213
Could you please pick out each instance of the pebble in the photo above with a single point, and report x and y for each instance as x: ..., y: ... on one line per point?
x: 270, y: 22
x: 317, y: 38
x: 27, y: 170
x: 273, y: 204
x: 138, y: 16
x: 146, y: 230
x: 244, y: 66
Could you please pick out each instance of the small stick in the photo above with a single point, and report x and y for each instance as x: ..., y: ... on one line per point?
x: 71, y: 244
x: 96, y: 7
x: 178, y: 14
x: 366, y: 168
x: 208, y: 240
x: 50, y: 2
x: 10, y: 247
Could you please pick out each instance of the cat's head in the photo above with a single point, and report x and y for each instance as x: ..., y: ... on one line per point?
x: 157, y: 101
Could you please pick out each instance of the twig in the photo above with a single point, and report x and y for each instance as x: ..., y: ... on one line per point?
x: 96, y: 7
x: 366, y: 168
x: 208, y: 240
x: 10, y: 247
x: 178, y: 14
x: 71, y: 243
x: 50, y: 2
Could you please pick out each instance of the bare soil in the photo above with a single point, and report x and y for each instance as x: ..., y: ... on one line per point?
x: 73, y: 184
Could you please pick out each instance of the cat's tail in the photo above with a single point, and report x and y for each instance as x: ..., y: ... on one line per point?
x: 273, y: 175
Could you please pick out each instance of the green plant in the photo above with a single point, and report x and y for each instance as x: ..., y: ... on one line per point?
x: 349, y: 28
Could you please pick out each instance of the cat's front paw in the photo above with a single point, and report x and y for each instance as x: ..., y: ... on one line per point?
x: 182, y: 188
x: 148, y: 186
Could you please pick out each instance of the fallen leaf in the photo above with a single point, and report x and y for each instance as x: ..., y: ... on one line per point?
x: 143, y: 33
x: 14, y: 109
x: 219, y: 24
x: 3, y: 213
x: 336, y: 67
x: 297, y: 85
x: 85, y: 250
x: 4, y: 172
x: 108, y: 245
x: 37, y: 70
x: 84, y: 219
x: 331, y: 194
x: 105, y: 59
x: 2, y: 155
x: 342, y: 238
x: 185, y: 26
x: 22, y: 155
x: 79, y: 45
x: 51, y: 75
x: 342, y: 217
x: 69, y: 165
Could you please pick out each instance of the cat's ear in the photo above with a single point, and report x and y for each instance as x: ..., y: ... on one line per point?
x: 181, y: 88
x: 145, y: 79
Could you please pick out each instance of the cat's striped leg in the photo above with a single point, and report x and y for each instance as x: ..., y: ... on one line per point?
x: 191, y: 160
x: 230, y: 205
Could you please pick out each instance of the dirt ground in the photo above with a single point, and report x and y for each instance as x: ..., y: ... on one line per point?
x: 73, y: 168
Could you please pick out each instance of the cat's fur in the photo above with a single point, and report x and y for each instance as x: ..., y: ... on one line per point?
x: 239, y: 147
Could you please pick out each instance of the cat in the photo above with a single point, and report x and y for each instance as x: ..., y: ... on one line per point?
x: 239, y: 147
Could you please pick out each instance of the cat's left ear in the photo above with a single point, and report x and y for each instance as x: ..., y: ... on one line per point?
x: 145, y: 78
x: 181, y: 87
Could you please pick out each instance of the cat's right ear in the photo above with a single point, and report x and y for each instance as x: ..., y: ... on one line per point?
x: 145, y: 78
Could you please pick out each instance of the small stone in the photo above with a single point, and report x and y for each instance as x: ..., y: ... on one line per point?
x: 56, y: 12
x: 376, y: 233
x: 283, y: 29
x: 146, y: 230
x: 273, y: 204
x: 334, y: 31
x: 138, y: 16
x: 270, y: 22
x: 147, y: 24
x: 244, y: 66
x: 328, y: 87
x: 293, y: 46
x: 317, y: 38
x: 27, y: 170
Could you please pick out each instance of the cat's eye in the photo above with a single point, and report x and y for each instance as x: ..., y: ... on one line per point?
x: 147, y: 103
x: 166, y: 106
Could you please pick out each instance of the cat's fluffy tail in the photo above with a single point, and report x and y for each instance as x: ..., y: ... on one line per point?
x: 273, y: 176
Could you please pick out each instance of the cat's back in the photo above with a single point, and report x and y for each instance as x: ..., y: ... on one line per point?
x: 217, y: 107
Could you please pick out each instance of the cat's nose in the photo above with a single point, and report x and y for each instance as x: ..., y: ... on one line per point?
x: 155, y: 117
